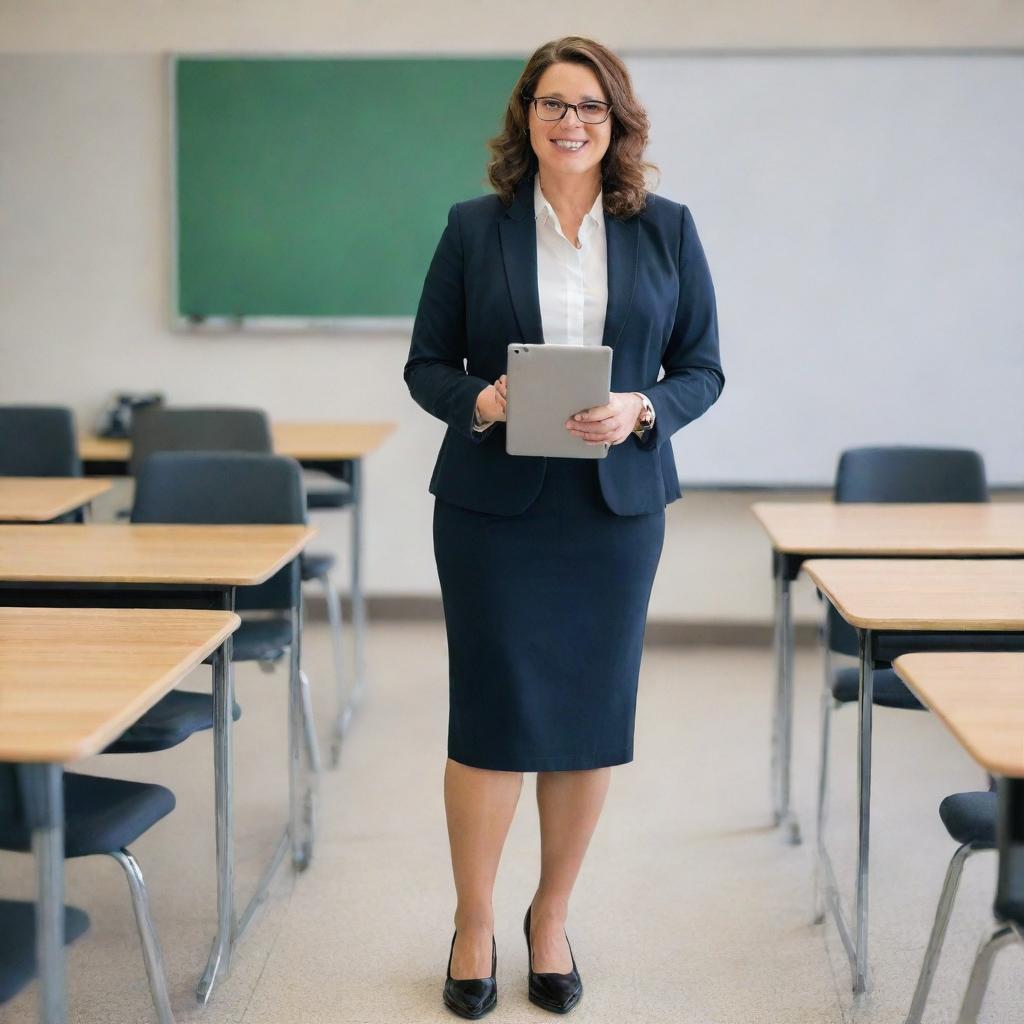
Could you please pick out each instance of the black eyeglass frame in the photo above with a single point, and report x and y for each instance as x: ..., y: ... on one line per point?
x: 575, y: 109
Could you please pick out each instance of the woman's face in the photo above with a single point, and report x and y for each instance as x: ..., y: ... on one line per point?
x: 573, y: 83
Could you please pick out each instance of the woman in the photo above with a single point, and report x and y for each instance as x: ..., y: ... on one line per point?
x: 546, y: 565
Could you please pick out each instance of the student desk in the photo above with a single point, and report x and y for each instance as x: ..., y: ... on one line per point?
x: 980, y: 699
x: 71, y: 681
x: 897, y: 606
x: 107, y: 565
x: 39, y: 499
x: 334, y: 448
x: 839, y: 530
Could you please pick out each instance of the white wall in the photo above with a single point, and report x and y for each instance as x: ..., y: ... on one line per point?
x: 482, y: 26
x: 84, y: 239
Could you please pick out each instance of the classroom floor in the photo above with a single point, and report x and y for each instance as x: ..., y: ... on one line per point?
x: 689, y: 908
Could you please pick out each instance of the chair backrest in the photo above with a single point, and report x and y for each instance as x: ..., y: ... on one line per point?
x: 160, y: 429
x: 225, y: 487
x: 911, y: 475
x: 902, y: 474
x: 38, y: 440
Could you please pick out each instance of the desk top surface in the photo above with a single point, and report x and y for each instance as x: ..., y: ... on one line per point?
x: 325, y: 441
x: 830, y: 528
x: 144, y: 553
x: 38, y: 499
x: 980, y: 699
x: 924, y: 594
x: 72, y: 680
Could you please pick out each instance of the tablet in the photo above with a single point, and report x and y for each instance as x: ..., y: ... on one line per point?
x: 546, y: 385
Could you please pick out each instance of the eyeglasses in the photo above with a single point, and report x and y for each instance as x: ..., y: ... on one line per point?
x: 589, y: 111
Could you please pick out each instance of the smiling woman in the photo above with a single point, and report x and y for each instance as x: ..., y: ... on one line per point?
x: 546, y: 564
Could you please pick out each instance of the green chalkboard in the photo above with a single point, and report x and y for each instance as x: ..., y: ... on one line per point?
x: 319, y: 187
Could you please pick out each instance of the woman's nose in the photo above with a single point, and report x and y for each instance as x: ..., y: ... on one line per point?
x: 573, y: 111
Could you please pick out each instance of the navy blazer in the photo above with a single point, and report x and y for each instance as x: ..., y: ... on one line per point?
x: 481, y: 293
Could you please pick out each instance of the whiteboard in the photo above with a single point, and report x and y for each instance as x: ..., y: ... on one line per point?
x: 863, y: 217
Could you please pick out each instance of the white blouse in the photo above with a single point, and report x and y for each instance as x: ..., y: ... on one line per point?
x: 572, y: 283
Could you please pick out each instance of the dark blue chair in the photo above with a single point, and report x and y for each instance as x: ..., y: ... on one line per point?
x: 899, y: 475
x: 970, y: 819
x: 101, y: 816
x: 40, y: 440
x: 163, y: 429
x: 158, y: 428
x: 232, y: 488
x: 18, y: 943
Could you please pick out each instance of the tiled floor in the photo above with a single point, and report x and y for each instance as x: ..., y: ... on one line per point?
x: 689, y: 907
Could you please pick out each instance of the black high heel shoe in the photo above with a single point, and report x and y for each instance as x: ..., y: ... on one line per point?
x: 558, y: 993
x: 471, y: 997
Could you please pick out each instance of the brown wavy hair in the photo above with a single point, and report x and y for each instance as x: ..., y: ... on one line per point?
x: 623, y: 168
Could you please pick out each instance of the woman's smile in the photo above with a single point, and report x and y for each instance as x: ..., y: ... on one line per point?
x: 569, y: 145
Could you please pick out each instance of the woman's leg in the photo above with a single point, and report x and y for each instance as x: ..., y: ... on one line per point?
x: 570, y: 805
x: 479, y: 805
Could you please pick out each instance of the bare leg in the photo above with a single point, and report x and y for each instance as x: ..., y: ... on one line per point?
x: 479, y: 805
x: 570, y: 805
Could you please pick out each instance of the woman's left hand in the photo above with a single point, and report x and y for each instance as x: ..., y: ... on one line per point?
x: 607, y: 424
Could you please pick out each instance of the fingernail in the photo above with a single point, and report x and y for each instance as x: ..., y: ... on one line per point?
x: 577, y: 416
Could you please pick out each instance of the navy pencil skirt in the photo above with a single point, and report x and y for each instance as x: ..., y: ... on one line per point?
x: 545, y: 614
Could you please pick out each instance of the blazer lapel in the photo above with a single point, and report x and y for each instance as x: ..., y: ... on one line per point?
x: 623, y: 242
x: 518, y: 233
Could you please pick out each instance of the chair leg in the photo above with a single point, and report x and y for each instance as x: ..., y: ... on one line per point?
x: 344, y: 700
x: 822, y: 810
x: 309, y: 726
x: 1000, y: 935
x: 151, y: 952
x: 938, y: 934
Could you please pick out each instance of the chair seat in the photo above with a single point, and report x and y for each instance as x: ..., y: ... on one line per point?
x: 169, y: 722
x: 339, y: 496
x: 18, y: 943
x: 260, y: 639
x: 889, y: 690
x: 100, y: 815
x: 970, y: 817
x: 316, y: 564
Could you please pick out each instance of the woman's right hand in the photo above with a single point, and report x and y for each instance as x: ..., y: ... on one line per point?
x: 490, y: 403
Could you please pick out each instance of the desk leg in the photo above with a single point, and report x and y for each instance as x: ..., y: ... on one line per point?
x: 300, y: 793
x: 358, y: 603
x: 783, y: 720
x: 864, y: 707
x: 223, y: 773
x: 43, y: 785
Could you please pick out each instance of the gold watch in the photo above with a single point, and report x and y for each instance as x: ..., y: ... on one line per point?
x: 646, y: 418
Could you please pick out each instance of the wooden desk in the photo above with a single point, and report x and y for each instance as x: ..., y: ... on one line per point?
x: 336, y: 448
x: 108, y: 565
x: 314, y: 442
x: 39, y: 499
x: 801, y: 530
x: 893, y: 603
x: 980, y: 699
x: 167, y: 555
x: 71, y: 681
